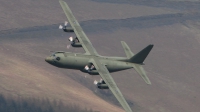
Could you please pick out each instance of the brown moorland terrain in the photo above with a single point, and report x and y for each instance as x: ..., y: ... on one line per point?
x: 29, y: 30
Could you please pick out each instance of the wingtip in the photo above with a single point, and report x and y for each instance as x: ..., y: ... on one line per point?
x: 122, y: 42
x: 61, y: 1
x: 151, y: 45
x: 148, y: 82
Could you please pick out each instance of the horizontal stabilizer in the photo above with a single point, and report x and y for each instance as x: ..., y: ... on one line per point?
x: 141, y: 72
x: 141, y: 56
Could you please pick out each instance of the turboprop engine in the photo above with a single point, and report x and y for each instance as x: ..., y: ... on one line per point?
x: 66, y: 28
x: 75, y: 42
x: 101, y: 84
x: 90, y: 69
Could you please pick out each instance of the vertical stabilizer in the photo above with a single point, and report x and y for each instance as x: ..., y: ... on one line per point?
x: 141, y: 56
x: 138, y: 60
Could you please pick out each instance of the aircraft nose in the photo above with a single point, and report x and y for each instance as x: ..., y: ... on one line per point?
x: 48, y: 59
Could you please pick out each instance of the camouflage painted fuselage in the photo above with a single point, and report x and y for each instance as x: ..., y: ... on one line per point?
x: 79, y: 61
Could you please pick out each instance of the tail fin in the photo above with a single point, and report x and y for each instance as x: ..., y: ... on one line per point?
x: 141, y: 56
x: 127, y: 50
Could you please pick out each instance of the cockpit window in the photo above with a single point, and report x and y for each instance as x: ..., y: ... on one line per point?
x: 53, y: 54
x: 57, y: 58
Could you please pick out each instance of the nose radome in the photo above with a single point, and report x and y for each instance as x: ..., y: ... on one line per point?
x: 47, y: 59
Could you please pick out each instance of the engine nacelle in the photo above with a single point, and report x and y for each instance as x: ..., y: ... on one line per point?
x: 90, y: 69
x: 75, y: 42
x: 101, y: 84
x: 91, y: 72
x: 65, y: 28
x: 68, y: 29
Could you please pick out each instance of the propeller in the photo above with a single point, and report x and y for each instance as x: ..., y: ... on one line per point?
x: 68, y: 46
x: 61, y: 27
x: 86, y: 67
x: 101, y: 80
x: 71, y: 39
x: 92, y: 67
x: 65, y: 24
x: 95, y: 82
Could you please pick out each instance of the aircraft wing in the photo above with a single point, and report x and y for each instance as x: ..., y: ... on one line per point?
x: 104, y: 73
x: 86, y: 44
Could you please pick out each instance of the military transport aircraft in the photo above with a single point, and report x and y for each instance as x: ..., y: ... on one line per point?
x: 93, y: 63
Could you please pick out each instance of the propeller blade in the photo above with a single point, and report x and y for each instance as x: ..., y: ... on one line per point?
x: 71, y: 39
x: 60, y: 27
x: 86, y: 67
x: 95, y: 82
x: 92, y: 67
x: 68, y: 46
x: 101, y: 80
x: 66, y: 23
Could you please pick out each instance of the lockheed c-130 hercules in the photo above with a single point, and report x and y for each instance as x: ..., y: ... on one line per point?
x: 94, y: 64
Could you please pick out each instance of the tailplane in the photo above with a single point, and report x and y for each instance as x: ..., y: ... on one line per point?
x: 140, y: 70
x: 138, y: 60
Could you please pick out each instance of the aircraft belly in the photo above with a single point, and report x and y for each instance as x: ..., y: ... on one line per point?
x: 79, y: 62
x: 114, y: 66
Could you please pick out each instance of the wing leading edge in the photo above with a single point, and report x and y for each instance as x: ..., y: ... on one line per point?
x: 104, y: 73
x: 87, y: 45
